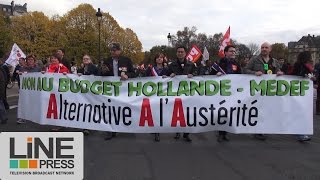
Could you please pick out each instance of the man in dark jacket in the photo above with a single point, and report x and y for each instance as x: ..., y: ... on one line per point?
x: 284, y: 67
x: 15, y: 75
x: 117, y: 65
x: 207, y: 69
x: 64, y: 61
x: 181, y: 66
x: 229, y: 65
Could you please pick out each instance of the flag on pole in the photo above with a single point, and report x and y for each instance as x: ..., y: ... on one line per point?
x: 15, y: 55
x: 205, y: 56
x: 154, y: 72
x: 225, y: 41
x: 194, y: 54
x: 217, y: 68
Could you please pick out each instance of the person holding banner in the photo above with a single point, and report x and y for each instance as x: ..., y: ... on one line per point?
x: 181, y: 66
x: 317, y: 74
x: 304, y: 67
x: 30, y: 67
x: 88, y: 67
x: 157, y: 70
x: 263, y: 64
x: 56, y: 67
x: 74, y: 68
x: 117, y: 65
x: 227, y: 65
x: 207, y: 69
x: 61, y: 53
x: 15, y: 75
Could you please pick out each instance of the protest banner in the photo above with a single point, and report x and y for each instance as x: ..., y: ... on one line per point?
x: 234, y: 103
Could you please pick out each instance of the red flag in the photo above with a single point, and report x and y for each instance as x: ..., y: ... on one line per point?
x: 225, y: 41
x: 194, y: 54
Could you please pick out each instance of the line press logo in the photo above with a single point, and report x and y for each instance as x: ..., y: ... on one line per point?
x: 42, y: 155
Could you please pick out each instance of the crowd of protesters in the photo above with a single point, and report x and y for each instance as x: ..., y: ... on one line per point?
x: 118, y: 65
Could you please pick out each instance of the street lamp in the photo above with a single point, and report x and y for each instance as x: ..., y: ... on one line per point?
x: 169, y: 39
x: 99, y: 18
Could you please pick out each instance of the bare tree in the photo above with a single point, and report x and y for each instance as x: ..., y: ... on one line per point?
x: 254, y: 49
x: 243, y: 51
x: 186, y: 37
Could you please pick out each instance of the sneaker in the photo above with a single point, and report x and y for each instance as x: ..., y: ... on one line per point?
x: 110, y: 135
x: 222, y: 138
x: 177, y: 136
x: 21, y: 121
x: 260, y: 137
x: 186, y: 137
x: 107, y: 138
x: 157, y: 137
x: 226, y: 138
x: 86, y: 132
x: 304, y: 138
x: 114, y: 134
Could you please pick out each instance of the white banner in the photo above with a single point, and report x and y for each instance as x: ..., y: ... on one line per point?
x: 268, y: 104
x: 15, y: 54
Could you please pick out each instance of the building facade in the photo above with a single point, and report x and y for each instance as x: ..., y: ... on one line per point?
x: 309, y: 43
x: 13, y: 9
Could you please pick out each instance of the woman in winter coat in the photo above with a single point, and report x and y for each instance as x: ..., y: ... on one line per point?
x: 304, y: 67
x: 158, y: 69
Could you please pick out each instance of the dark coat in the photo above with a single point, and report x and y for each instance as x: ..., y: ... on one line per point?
x: 230, y: 66
x: 91, y: 70
x: 285, y: 68
x: 178, y: 68
x: 207, y: 70
x: 15, y: 75
x: 66, y: 63
x: 6, y: 72
x: 301, y: 70
x: 164, y: 71
x: 30, y: 69
x: 3, y: 83
x: 124, y: 65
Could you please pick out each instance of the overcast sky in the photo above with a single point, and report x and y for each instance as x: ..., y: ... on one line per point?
x: 250, y: 20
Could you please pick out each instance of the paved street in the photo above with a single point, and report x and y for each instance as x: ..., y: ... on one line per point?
x: 138, y: 157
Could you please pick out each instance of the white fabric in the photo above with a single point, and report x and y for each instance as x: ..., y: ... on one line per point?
x: 275, y: 114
